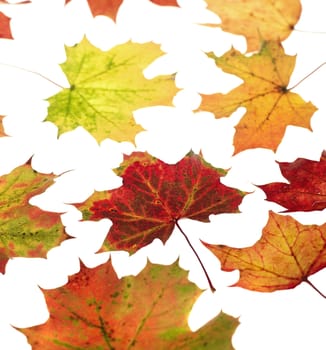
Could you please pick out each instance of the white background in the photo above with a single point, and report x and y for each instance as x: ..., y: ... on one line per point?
x: 292, y: 319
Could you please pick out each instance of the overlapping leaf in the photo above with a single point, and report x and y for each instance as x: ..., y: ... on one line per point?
x: 155, y: 195
x: 286, y: 255
x: 96, y: 310
x: 307, y: 188
x: 26, y: 230
x: 257, y: 20
x: 270, y: 105
x: 106, y: 87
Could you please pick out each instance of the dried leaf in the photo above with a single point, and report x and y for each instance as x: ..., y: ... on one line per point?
x: 5, y: 31
x: 155, y: 195
x: 257, y: 20
x: 26, y: 230
x: 96, y: 310
x: 107, y: 8
x: 270, y: 105
x: 2, y: 131
x: 166, y: 2
x: 106, y: 87
x: 307, y: 188
x: 286, y: 255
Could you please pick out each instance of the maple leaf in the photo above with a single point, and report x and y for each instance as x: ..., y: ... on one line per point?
x: 155, y: 195
x: 271, y: 106
x: 286, y: 255
x: 307, y: 188
x: 257, y: 20
x: 5, y: 31
x: 26, y: 230
x: 96, y: 310
x: 106, y: 87
x: 107, y: 8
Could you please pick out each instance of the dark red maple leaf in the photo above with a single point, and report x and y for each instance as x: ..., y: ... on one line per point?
x: 155, y: 195
x: 307, y: 188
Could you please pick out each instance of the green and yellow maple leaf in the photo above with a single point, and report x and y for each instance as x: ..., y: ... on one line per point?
x: 98, y: 311
x: 26, y: 230
x: 106, y: 87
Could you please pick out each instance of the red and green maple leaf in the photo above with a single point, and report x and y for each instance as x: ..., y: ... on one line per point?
x: 156, y: 195
x: 307, y: 188
x: 106, y: 87
x: 286, y: 255
x: 257, y: 20
x: 270, y: 104
x: 26, y: 230
x: 96, y: 310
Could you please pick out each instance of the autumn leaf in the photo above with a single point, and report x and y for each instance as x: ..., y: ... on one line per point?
x: 155, y: 195
x: 286, y: 255
x: 5, y: 31
x: 26, y: 230
x: 257, y: 20
x: 106, y: 87
x: 2, y: 131
x: 107, y: 8
x: 270, y: 104
x: 96, y: 310
x: 307, y: 188
x: 166, y: 2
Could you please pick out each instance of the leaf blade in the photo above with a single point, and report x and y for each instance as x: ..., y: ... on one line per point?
x: 286, y: 255
x: 106, y: 87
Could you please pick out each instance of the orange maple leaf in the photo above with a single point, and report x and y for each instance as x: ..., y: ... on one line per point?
x: 257, y: 20
x: 270, y: 104
x: 286, y: 255
x: 96, y: 310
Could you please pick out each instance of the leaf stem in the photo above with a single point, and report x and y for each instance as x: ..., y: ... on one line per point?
x: 197, y: 256
x: 307, y: 76
x: 33, y: 72
x: 315, y: 288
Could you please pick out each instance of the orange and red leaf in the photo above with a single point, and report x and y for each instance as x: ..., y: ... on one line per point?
x: 96, y: 310
x: 286, y: 255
